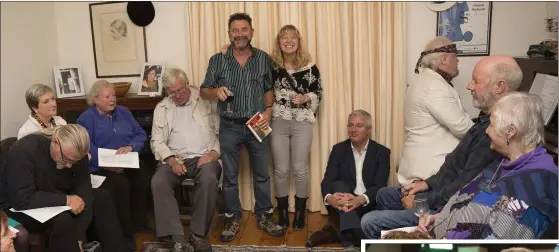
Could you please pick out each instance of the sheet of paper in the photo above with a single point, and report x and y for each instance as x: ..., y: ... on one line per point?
x: 109, y: 158
x: 406, y: 229
x: 13, y: 229
x: 43, y: 214
x: 547, y: 88
x: 97, y: 181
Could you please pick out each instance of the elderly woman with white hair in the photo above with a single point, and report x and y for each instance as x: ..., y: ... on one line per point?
x: 42, y: 103
x: 49, y: 168
x: 518, y: 200
x: 112, y: 126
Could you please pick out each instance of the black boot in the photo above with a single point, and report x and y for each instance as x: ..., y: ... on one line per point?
x: 300, y: 210
x: 283, y: 212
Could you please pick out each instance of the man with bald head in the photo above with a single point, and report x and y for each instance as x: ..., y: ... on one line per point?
x: 493, y: 77
x: 435, y: 119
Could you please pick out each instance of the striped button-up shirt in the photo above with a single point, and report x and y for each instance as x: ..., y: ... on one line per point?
x: 462, y: 165
x: 248, y: 84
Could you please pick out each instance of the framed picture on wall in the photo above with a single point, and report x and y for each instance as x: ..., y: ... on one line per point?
x: 68, y: 82
x: 468, y: 25
x: 151, y: 79
x: 119, y: 46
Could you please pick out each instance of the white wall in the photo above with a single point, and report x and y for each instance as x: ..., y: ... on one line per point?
x: 28, y: 54
x: 165, y: 38
x: 515, y: 26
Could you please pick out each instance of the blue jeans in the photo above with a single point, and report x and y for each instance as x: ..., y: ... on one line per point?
x: 390, y: 214
x: 232, y: 136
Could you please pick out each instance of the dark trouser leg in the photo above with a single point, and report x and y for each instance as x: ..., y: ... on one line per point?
x: 205, y: 195
x: 258, y: 153
x: 231, y: 136
x: 61, y: 230
x: 139, y: 190
x: 167, y: 217
x: 105, y: 221
x: 119, y: 187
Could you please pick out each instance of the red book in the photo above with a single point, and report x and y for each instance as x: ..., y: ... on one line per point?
x: 257, y: 132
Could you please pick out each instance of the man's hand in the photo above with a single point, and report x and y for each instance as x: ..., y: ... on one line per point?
x: 264, y: 121
x: 354, y: 203
x: 75, y: 203
x: 407, y: 201
x: 221, y: 93
x: 207, y: 157
x: 416, y: 187
x: 427, y: 224
x: 124, y: 150
x: 114, y: 169
x: 332, y: 200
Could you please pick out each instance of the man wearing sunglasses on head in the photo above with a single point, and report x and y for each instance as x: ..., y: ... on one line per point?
x: 50, y: 168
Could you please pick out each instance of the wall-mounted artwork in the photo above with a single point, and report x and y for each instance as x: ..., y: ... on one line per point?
x: 468, y: 25
x: 68, y: 82
x: 151, y: 79
x: 119, y: 46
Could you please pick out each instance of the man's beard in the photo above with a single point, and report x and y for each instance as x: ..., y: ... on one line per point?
x: 239, y: 39
x: 484, y: 102
x: 60, y: 166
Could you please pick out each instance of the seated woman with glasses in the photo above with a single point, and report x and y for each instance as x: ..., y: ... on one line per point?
x: 518, y: 199
x: 112, y: 126
x: 49, y: 168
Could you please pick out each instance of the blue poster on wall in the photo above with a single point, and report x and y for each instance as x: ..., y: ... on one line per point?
x: 468, y: 25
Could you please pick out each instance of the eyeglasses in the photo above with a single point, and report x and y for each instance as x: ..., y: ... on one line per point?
x: 65, y: 159
x: 175, y: 93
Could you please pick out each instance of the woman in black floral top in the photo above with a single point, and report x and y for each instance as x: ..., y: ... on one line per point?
x: 297, y: 91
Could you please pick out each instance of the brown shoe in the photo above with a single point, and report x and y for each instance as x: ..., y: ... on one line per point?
x: 324, y: 236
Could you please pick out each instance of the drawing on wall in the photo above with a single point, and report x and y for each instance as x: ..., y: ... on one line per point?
x: 68, y: 82
x: 119, y: 45
x: 468, y: 25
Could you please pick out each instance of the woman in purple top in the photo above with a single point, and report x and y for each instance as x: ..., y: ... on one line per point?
x: 111, y: 126
x: 517, y: 197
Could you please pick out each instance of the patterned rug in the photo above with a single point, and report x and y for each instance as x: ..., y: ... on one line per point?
x: 168, y: 247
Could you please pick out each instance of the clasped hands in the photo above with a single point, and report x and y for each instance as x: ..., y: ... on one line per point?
x: 346, y: 202
x: 75, y: 203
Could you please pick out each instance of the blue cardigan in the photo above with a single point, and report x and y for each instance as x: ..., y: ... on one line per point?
x: 122, y: 130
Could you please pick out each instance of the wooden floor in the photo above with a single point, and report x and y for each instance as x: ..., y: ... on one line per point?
x: 251, y: 235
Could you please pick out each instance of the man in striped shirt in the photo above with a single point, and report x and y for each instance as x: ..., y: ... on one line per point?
x: 242, y: 82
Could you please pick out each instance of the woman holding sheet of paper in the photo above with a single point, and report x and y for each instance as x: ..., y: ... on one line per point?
x: 113, y: 127
x: 49, y: 169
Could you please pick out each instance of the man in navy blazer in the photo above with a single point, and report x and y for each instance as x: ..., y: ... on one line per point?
x: 357, y: 168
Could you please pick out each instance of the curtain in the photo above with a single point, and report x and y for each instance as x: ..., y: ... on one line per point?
x: 359, y: 48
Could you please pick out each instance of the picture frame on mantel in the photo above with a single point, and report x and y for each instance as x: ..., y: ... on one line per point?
x: 151, y: 81
x: 119, y: 46
x: 68, y: 82
x: 468, y: 25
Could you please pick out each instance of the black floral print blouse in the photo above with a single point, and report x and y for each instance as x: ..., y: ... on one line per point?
x: 304, y: 81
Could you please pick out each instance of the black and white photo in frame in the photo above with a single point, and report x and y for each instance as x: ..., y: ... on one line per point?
x: 151, y: 79
x: 68, y: 82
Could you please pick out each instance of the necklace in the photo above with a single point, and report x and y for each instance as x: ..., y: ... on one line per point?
x: 495, y: 174
x: 43, y: 125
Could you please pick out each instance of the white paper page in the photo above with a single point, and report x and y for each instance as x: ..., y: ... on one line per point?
x: 43, y: 214
x: 547, y: 88
x: 406, y: 229
x: 108, y: 158
x: 97, y: 181
x: 13, y: 229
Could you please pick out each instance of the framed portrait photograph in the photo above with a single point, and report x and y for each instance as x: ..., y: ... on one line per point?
x: 68, y: 82
x: 468, y: 25
x: 151, y: 79
x: 119, y: 46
